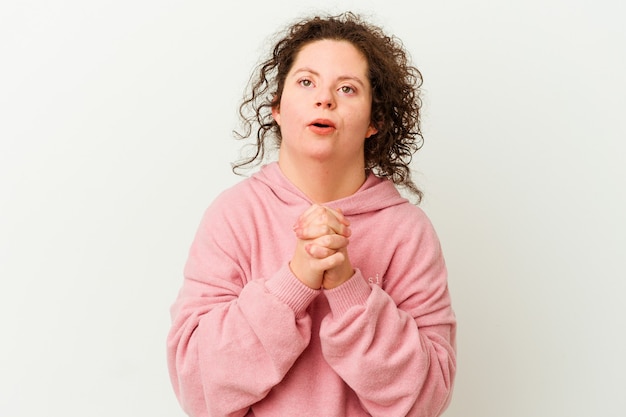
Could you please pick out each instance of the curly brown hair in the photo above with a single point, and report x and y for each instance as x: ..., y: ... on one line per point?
x: 395, y: 86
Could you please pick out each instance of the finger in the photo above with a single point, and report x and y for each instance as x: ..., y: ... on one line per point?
x: 304, y: 216
x: 339, y: 223
x: 318, y: 230
x: 332, y: 261
x: 333, y: 241
x: 339, y: 215
x: 323, y: 258
x: 322, y: 221
x: 326, y: 245
x: 318, y: 252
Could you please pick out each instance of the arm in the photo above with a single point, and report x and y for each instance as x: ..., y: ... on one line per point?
x: 233, y: 337
x: 396, y: 347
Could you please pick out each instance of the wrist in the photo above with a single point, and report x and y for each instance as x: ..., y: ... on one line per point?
x: 333, y: 279
x: 307, y: 278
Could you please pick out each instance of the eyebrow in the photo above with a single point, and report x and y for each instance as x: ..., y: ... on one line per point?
x: 340, y: 78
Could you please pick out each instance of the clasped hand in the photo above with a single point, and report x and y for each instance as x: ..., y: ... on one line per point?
x: 321, y: 257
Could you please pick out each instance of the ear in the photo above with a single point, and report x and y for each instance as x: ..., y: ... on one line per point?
x: 276, y: 112
x: 371, y: 130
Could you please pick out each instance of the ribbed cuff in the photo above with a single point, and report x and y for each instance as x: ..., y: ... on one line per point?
x: 290, y: 290
x: 353, y: 292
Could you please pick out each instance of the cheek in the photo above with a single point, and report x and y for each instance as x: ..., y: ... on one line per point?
x: 288, y: 115
x: 361, y: 120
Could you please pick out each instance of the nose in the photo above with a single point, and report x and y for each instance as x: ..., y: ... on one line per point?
x: 325, y: 99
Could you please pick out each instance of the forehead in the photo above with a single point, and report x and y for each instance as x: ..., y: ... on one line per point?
x: 328, y: 53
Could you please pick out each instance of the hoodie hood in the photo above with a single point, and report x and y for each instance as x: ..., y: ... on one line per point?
x: 375, y: 193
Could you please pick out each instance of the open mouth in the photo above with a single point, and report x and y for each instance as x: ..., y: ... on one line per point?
x: 322, y: 124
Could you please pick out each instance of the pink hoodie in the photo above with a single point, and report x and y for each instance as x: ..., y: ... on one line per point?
x: 249, y: 339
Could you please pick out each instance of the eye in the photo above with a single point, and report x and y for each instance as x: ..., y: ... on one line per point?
x: 346, y: 89
x: 305, y: 82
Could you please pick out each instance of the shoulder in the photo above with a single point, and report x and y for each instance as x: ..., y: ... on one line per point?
x: 231, y: 203
x: 254, y: 198
x: 262, y: 186
x: 406, y: 216
x: 412, y: 228
x: 239, y: 192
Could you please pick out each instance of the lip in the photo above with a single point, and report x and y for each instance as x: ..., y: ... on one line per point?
x: 322, y: 126
x: 322, y: 123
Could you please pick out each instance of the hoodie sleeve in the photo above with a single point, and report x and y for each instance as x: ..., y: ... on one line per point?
x: 396, y: 347
x: 233, y: 336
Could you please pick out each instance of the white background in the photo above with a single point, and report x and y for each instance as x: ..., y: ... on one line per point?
x: 115, y: 134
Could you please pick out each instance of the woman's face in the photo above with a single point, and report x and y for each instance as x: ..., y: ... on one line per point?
x: 325, y: 109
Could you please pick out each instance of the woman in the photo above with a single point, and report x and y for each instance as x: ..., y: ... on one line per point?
x: 313, y: 288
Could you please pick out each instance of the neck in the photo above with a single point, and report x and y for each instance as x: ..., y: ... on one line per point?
x: 324, y: 182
